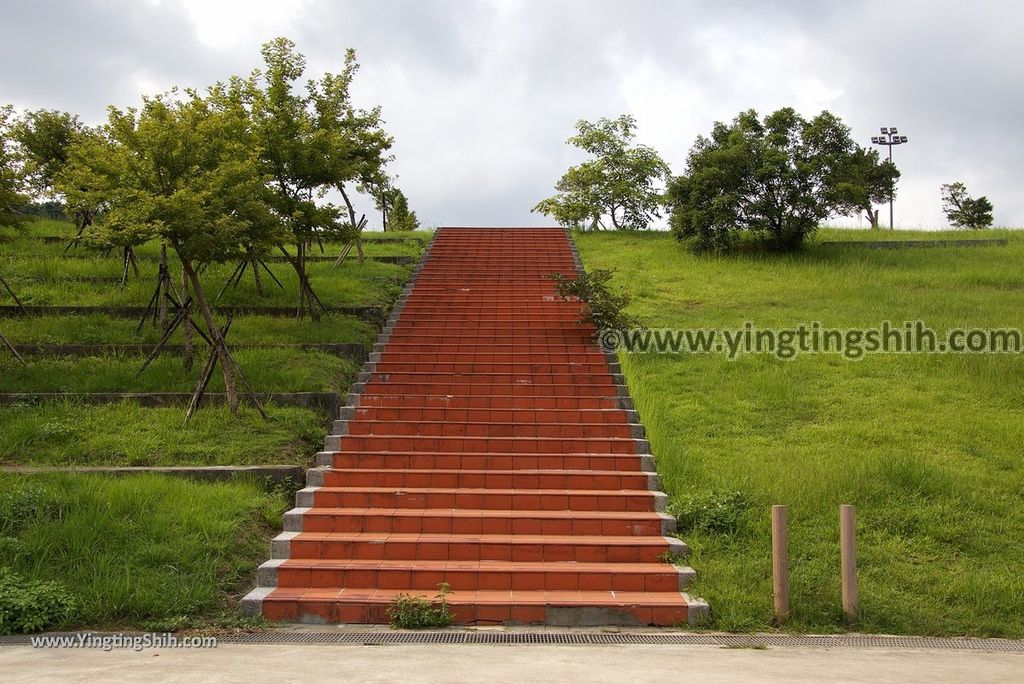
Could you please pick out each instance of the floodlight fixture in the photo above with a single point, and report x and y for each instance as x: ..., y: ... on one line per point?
x: 889, y: 138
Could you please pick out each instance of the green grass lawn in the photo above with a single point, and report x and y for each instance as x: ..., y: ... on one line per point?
x: 926, y: 446
x: 101, y: 329
x: 66, y: 433
x: 143, y: 552
x: 267, y: 370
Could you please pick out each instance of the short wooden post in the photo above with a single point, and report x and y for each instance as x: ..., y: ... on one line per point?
x: 780, y: 562
x: 848, y: 559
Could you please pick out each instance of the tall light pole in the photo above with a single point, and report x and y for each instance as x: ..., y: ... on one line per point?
x: 889, y: 138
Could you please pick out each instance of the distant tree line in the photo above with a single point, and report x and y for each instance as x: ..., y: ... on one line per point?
x: 775, y: 178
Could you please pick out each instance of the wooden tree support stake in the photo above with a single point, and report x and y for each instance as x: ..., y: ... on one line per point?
x: 13, y: 351
x: 10, y: 291
x: 848, y: 559
x: 780, y: 563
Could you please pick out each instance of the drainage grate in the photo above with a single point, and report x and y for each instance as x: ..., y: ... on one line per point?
x: 512, y: 638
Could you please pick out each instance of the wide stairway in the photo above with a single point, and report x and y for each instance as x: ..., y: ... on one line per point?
x: 489, y: 445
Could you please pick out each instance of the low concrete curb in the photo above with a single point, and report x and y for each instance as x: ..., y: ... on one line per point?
x: 273, y: 474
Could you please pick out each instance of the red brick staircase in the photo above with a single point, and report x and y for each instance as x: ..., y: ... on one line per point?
x: 488, y: 444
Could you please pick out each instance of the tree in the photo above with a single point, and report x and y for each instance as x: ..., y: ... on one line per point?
x: 619, y: 184
x: 962, y: 210
x: 12, y: 177
x: 777, y: 178
x: 311, y: 139
x: 179, y: 169
x: 401, y: 217
x: 866, y: 180
x: 45, y: 137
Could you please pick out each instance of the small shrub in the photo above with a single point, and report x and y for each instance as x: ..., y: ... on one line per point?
x: 21, y: 504
x: 715, y: 512
x: 604, y: 309
x: 415, y: 612
x: 31, y: 606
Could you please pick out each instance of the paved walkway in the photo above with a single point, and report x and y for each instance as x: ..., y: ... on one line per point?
x: 518, y: 664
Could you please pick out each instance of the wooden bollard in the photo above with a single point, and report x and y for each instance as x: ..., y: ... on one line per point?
x: 780, y: 563
x: 848, y: 559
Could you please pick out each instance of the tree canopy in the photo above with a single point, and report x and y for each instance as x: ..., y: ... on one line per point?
x: 178, y: 169
x: 964, y: 211
x: 12, y: 177
x: 620, y: 184
x: 776, y: 177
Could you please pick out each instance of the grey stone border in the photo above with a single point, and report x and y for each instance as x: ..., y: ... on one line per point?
x: 327, y: 402
x: 369, y: 313
x: 353, y: 351
x: 280, y: 546
x: 696, y: 608
x: 396, y: 259
x: 916, y: 244
x: 273, y: 474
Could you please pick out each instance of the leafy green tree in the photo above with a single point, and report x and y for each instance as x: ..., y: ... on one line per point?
x: 620, y: 184
x: 45, y: 137
x: 12, y: 176
x: 311, y: 140
x: 776, y: 178
x: 179, y: 170
x: 864, y: 181
x: 964, y: 211
x: 401, y: 217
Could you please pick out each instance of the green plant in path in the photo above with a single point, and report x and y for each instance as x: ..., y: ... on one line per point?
x: 605, y: 308
x: 415, y: 612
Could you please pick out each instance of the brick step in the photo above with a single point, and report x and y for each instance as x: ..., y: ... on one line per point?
x: 476, y: 575
x: 490, y: 499
x: 507, y: 357
x: 458, y: 547
x: 478, y: 521
x: 452, y: 461
x: 484, y: 445
x: 496, y: 336
x: 609, y: 480
x: 567, y: 377
x: 479, y: 389
x: 560, y: 608
x: 452, y: 428
x: 517, y: 416
x: 407, y: 346
x: 538, y: 367
x: 381, y: 397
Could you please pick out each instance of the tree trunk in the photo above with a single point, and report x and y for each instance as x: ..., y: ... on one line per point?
x: 256, y: 276
x: 305, y: 288
x: 219, y: 346
x: 872, y: 215
x: 348, y: 203
x: 189, y: 355
x: 163, y: 288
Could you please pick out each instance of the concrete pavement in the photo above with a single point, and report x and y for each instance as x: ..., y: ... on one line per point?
x: 502, y: 663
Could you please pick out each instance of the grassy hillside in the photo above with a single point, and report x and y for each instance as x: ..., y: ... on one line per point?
x: 32, y: 261
x: 926, y: 446
x: 141, y: 551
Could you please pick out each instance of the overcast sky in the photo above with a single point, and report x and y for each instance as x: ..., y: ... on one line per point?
x: 481, y: 95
